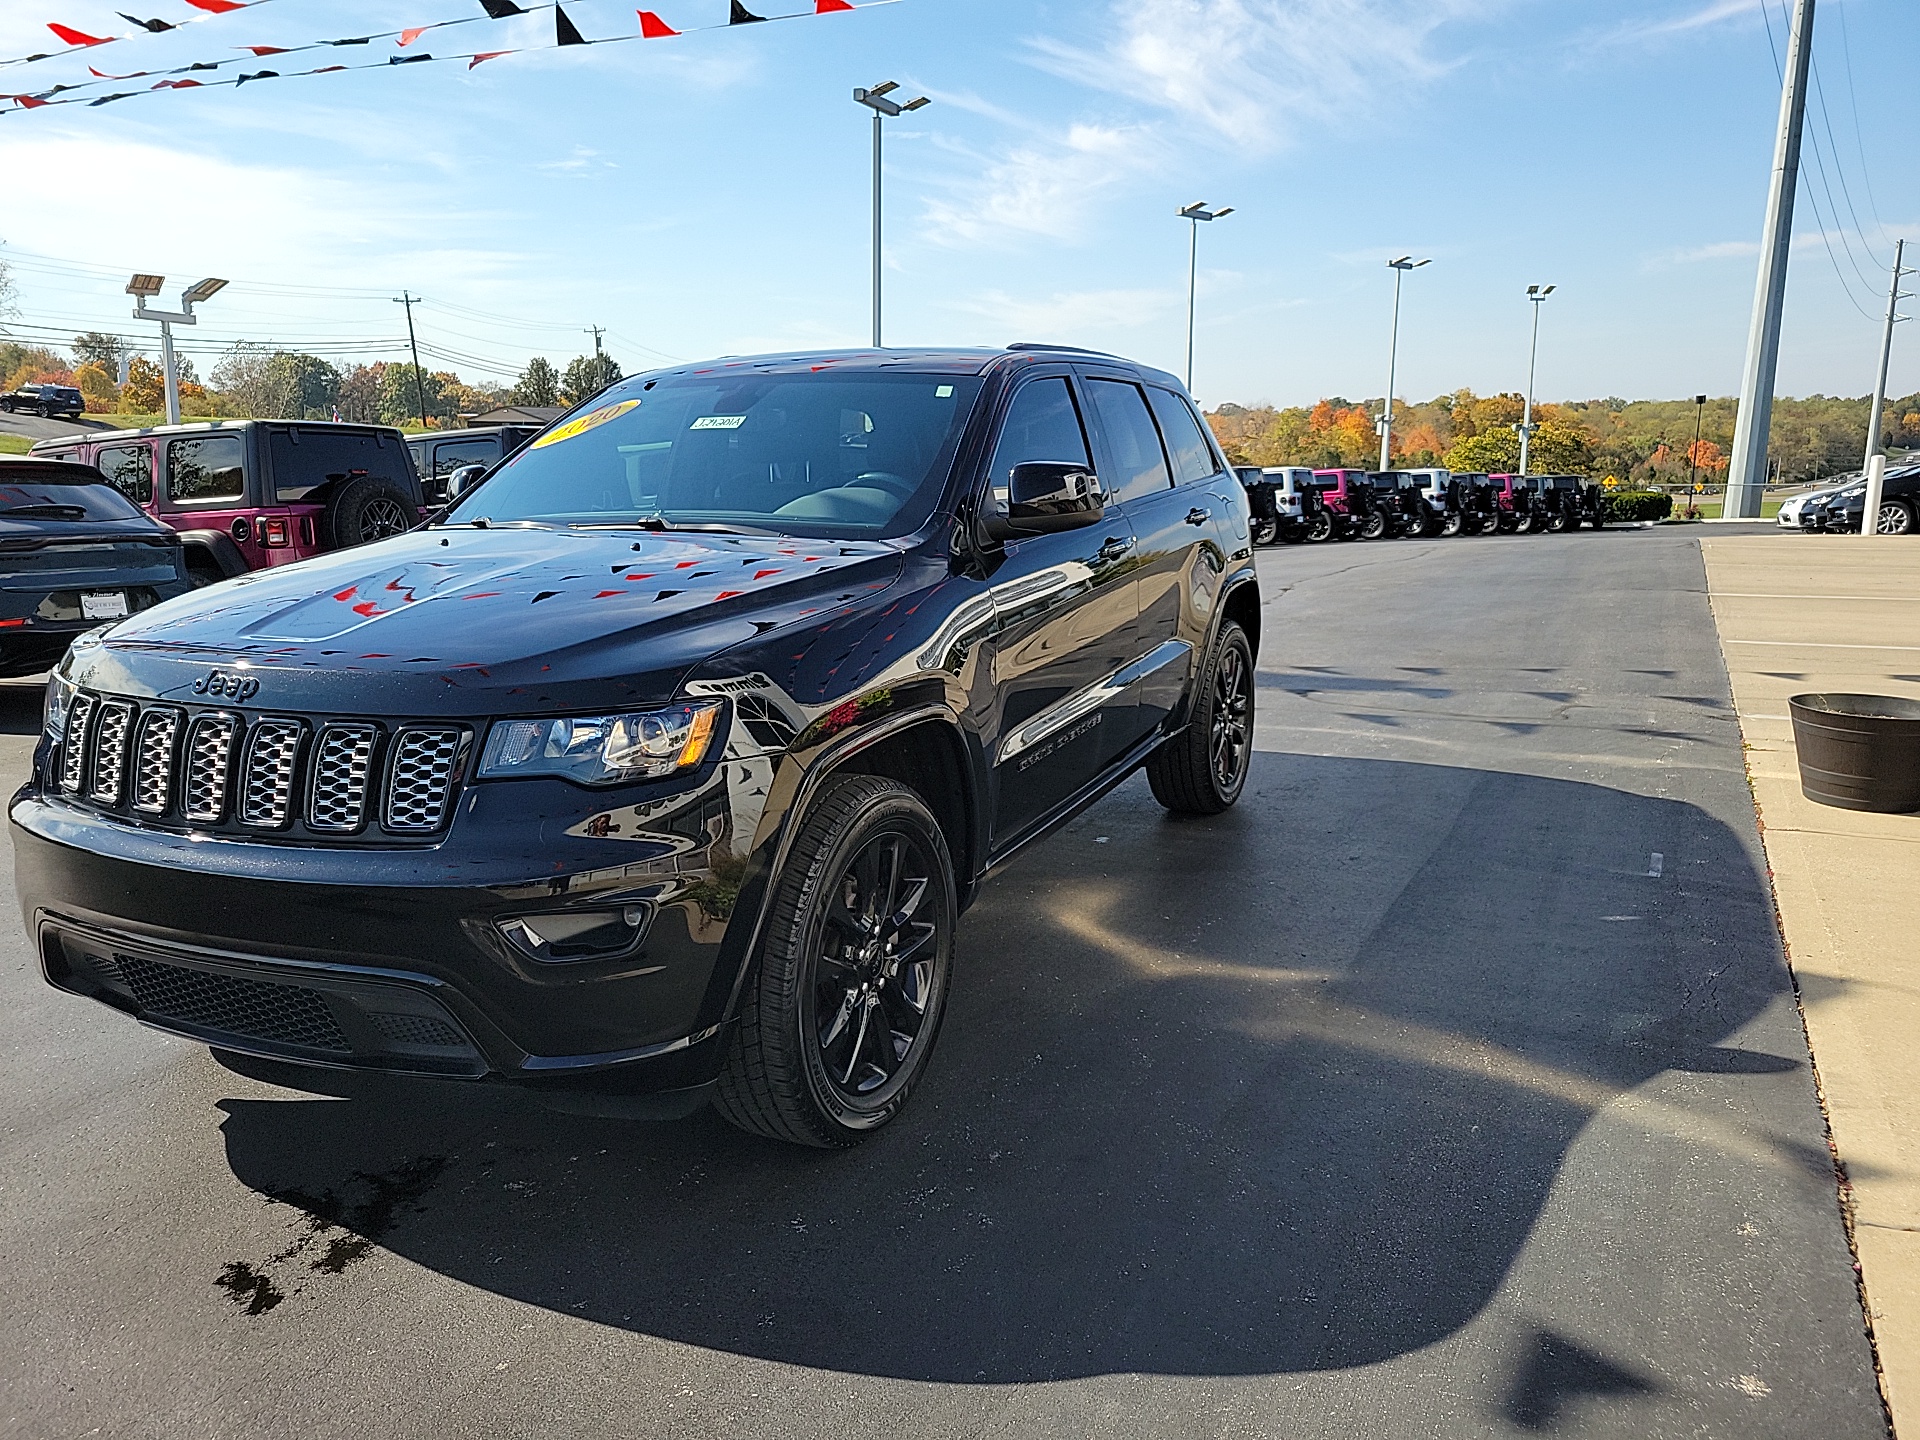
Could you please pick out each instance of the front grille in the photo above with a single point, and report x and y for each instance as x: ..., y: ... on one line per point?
x: 422, y: 767
x: 73, y: 758
x: 110, y: 751
x: 209, y: 756
x: 416, y: 1029
x: 266, y: 792
x: 341, y: 766
x: 254, y: 1008
x: 306, y: 780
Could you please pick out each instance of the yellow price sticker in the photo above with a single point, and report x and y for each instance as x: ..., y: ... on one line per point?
x: 581, y: 424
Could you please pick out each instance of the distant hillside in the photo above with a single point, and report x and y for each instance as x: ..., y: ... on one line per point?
x: 1645, y: 441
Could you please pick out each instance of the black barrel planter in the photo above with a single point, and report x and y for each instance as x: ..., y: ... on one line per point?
x: 1859, y: 752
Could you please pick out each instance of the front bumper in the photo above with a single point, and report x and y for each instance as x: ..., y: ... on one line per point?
x: 404, y: 959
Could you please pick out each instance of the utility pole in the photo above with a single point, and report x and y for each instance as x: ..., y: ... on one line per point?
x: 595, y: 331
x: 1538, y: 295
x: 876, y: 100
x: 1748, y: 471
x: 419, y: 381
x: 1693, y: 455
x: 1384, y: 425
x: 1894, y: 317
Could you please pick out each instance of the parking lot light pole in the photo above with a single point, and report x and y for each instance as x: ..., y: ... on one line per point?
x: 1693, y: 455
x: 1538, y: 295
x: 1385, y: 423
x: 1194, y: 214
x: 143, y: 288
x: 883, y: 109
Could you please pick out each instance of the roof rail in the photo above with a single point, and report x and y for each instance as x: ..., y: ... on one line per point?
x: 1069, y: 349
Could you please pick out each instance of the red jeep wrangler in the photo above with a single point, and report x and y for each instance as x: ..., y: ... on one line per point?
x: 246, y: 494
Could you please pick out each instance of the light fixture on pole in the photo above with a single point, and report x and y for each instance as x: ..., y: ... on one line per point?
x: 876, y: 100
x: 1538, y: 295
x: 1194, y: 214
x: 1693, y: 455
x: 1384, y: 424
x: 143, y: 288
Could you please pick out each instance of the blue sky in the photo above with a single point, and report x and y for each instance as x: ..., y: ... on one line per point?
x: 708, y: 194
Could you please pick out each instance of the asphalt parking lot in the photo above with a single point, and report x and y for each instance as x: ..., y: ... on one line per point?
x: 1452, y: 1085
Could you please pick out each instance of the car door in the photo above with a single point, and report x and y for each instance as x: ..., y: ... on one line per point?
x: 1167, y: 475
x: 1063, y: 621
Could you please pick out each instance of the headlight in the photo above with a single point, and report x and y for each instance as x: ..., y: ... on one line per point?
x: 602, y: 749
x: 60, y: 693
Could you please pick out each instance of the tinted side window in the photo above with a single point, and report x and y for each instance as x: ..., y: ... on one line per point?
x: 205, y: 469
x: 129, y: 468
x: 1192, y: 456
x: 1042, y: 424
x: 450, y: 455
x: 1132, y: 440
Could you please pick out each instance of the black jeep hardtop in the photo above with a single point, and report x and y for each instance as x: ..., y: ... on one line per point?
x: 666, y: 761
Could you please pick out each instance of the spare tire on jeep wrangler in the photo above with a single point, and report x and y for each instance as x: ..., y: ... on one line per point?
x: 366, y: 508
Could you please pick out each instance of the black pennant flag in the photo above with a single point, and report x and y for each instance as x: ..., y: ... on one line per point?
x: 156, y: 27
x: 740, y: 15
x: 564, y: 31
x: 500, y: 9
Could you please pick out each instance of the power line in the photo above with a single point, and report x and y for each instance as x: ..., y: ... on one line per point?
x: 1833, y: 149
x: 1859, y: 136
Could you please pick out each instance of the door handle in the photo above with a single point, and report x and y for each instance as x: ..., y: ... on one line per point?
x: 1115, y: 547
x: 1197, y: 516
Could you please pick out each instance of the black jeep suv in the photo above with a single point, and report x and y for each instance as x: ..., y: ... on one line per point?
x: 666, y: 761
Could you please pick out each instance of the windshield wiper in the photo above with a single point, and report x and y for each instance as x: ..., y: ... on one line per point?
x: 659, y: 524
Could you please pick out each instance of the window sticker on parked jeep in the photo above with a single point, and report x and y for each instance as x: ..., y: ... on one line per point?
x: 718, y: 422
x: 592, y: 420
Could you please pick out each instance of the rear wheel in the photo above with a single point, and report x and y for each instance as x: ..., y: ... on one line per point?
x: 1203, y: 770
x: 1522, y: 524
x: 852, y: 974
x: 1452, y: 525
x: 1265, y: 532
x: 1373, y: 527
x: 1322, y: 529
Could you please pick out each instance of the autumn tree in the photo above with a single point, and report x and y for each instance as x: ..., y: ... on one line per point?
x: 97, y: 386
x: 587, y: 376
x: 95, y: 347
x: 146, y: 389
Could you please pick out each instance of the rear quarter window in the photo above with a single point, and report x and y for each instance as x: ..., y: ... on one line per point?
x: 1193, y: 458
x: 206, y: 468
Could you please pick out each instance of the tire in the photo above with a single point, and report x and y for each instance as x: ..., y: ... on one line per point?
x: 1557, y: 522
x: 1265, y: 532
x: 1322, y: 530
x: 783, y: 1075
x: 1203, y: 770
x: 1452, y: 525
x: 1373, y: 527
x: 365, y: 510
x: 1895, y: 519
x: 1523, y: 524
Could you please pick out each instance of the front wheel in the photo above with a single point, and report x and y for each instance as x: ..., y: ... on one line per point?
x: 852, y: 973
x: 1895, y: 519
x: 1203, y: 770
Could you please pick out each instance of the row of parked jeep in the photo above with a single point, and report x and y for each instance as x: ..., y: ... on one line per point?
x: 1294, y: 505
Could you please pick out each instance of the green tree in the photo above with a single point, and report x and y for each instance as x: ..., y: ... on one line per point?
x: 401, y: 395
x: 587, y: 376
x: 95, y: 347
x: 539, y: 384
x: 1490, y: 452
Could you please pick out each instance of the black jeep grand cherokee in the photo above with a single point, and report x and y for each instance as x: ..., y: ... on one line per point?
x: 666, y: 761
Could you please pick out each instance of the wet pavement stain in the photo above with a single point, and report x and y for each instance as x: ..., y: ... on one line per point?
x: 344, y: 1225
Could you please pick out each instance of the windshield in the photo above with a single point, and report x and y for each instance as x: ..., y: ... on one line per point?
x: 848, y: 454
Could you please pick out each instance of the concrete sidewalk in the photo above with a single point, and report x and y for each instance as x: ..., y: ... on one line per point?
x: 1803, y: 613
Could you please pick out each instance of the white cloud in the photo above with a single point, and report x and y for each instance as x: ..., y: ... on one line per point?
x: 1040, y: 186
x: 1712, y: 14
x: 1069, y: 317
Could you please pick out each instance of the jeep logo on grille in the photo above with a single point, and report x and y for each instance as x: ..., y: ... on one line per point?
x: 221, y: 685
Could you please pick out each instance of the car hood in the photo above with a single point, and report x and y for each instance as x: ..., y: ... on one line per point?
x: 463, y: 621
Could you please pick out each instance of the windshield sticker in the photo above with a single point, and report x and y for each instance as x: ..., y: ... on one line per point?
x: 943, y: 392
x: 592, y: 420
x: 718, y: 422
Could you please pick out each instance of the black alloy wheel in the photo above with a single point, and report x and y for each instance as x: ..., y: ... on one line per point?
x: 1322, y: 529
x: 1895, y: 519
x: 1265, y: 532
x: 383, y: 517
x: 1202, y: 770
x: 1373, y: 527
x: 1522, y: 524
x: 853, y: 971
x: 1558, y: 522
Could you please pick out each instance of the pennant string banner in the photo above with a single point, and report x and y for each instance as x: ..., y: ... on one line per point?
x: 566, y: 33
x: 78, y: 40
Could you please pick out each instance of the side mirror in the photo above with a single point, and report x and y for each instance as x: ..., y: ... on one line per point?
x: 1045, y: 497
x: 462, y: 480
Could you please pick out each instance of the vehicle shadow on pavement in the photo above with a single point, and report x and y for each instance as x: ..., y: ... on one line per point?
x: 1280, y: 1091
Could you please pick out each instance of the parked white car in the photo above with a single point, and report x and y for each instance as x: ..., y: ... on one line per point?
x: 1793, y: 514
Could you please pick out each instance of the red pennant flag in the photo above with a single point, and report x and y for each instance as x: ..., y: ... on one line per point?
x: 652, y: 27
x: 489, y: 55
x: 829, y: 7
x: 264, y: 49
x: 407, y: 37
x: 27, y: 102
x: 218, y: 7
x: 80, y: 37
